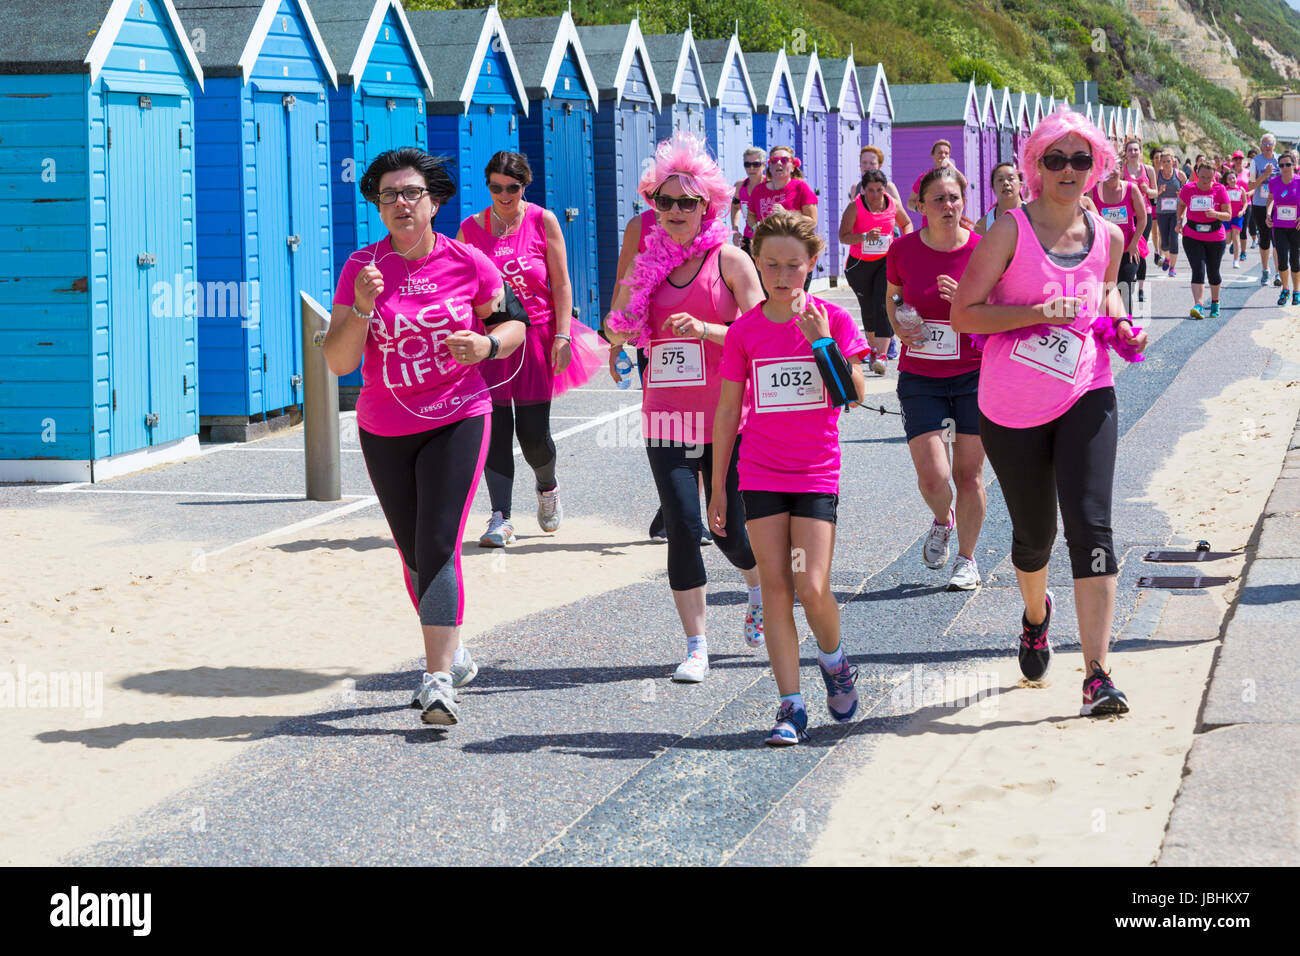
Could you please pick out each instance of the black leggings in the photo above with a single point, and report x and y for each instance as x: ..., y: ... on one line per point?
x: 675, y: 468
x: 1287, y: 242
x: 1071, y: 458
x: 425, y: 484
x: 1204, y: 256
x: 1265, y: 233
x: 532, y: 423
x: 1248, y: 220
x: 867, y: 280
x: 1142, y: 262
x: 1128, y: 272
x: 1168, y: 224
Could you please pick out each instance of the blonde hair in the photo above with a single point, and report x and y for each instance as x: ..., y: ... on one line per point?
x: 795, y: 171
x: 790, y: 225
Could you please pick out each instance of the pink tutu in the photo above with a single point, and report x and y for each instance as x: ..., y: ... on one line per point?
x: 590, y: 355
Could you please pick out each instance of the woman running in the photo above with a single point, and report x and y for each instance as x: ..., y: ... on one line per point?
x: 687, y: 287
x: 785, y: 191
x: 1169, y: 180
x: 524, y: 241
x: 871, y: 158
x: 938, y: 377
x: 1118, y: 201
x: 415, y: 304
x: 1236, y: 203
x: 1241, y: 182
x: 755, y: 160
x: 1143, y: 177
x: 1005, y: 181
x: 1040, y: 289
x: 1203, y: 205
x: 940, y: 155
x: 789, y: 459
x: 1157, y: 247
x: 1283, y: 201
x: 867, y: 228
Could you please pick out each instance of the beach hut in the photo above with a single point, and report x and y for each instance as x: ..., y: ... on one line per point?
x: 558, y: 136
x: 625, y: 135
x: 844, y: 142
x: 1090, y: 112
x: 990, y: 135
x: 1024, y: 123
x: 811, y: 143
x: 729, y: 119
x: 878, y: 129
x: 1137, y: 122
x: 478, y: 101
x: 1036, y: 114
x: 378, y: 105
x: 98, y: 297
x: 932, y: 111
x: 1006, y: 127
x: 777, y: 117
x: 263, y: 201
x: 682, y: 87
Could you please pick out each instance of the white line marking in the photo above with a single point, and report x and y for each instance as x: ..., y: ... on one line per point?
x: 608, y: 416
x: 300, y: 525
x: 69, y: 486
x: 300, y: 451
x: 186, y: 494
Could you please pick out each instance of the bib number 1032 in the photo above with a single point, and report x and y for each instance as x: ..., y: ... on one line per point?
x: 787, y: 385
x: 1055, y: 353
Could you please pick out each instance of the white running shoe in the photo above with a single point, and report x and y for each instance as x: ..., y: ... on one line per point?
x: 934, y: 550
x: 878, y: 364
x: 500, y: 532
x: 965, y: 575
x: 549, y: 512
x: 437, y: 702
x: 463, y: 671
x: 692, y: 670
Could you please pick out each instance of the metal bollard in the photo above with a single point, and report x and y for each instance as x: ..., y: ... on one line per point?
x: 320, y: 406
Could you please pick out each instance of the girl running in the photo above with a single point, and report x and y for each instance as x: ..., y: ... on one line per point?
x: 419, y: 307
x: 1118, y: 201
x: 1040, y: 290
x: 789, y: 461
x: 867, y: 228
x: 1283, y: 201
x: 1204, y: 207
x: 687, y: 287
x: 1169, y: 180
x: 938, y: 377
x: 1143, y: 178
x: 755, y: 160
x: 1236, y: 203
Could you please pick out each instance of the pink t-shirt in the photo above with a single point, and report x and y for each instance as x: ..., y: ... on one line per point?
x: 1238, y: 196
x: 521, y: 259
x: 682, y: 381
x: 1195, y: 198
x: 1014, y: 390
x: 915, y: 268
x: 410, y: 381
x: 796, y: 194
x: 791, y: 437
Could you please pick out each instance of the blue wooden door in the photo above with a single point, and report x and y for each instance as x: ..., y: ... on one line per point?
x: 638, y: 129
x: 573, y: 205
x: 168, y: 384
x: 309, y: 229
x: 272, y: 350
x: 375, y: 134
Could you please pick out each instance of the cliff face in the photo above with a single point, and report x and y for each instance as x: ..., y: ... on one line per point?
x: 1199, y: 43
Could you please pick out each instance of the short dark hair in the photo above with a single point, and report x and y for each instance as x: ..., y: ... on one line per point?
x: 514, y: 165
x: 873, y: 176
x: 993, y: 176
x: 433, y: 169
x: 942, y: 174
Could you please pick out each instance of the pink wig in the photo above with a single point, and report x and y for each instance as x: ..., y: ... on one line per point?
x: 1051, y: 129
x: 687, y: 157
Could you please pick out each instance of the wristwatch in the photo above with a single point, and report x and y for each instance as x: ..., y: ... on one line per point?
x: 496, y: 344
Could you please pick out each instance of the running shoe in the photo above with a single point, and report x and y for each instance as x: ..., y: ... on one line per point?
x: 934, y: 550
x: 549, y: 511
x: 841, y: 695
x: 1214, y: 310
x: 1035, y: 649
x: 1236, y: 263
x: 1173, y: 273
x: 1243, y: 257
x: 706, y: 537
x: 892, y: 353
x: 500, y: 532
x: 1282, y: 297
x: 1295, y: 298
x: 1277, y: 281
x: 878, y: 364
x: 754, y: 625
x: 1100, y: 695
x: 463, y: 671
x: 1196, y: 312
x: 437, y: 702
x: 965, y: 575
x: 657, y: 532
x: 1142, y: 296
x: 1263, y: 277
x: 693, y: 670
x: 791, y: 726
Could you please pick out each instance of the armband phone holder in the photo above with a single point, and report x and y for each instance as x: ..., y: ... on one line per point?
x: 835, y: 371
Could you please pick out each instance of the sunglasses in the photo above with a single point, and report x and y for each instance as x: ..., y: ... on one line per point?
x: 410, y: 194
x: 753, y: 165
x: 497, y: 189
x: 779, y: 160
x: 1285, y: 165
x: 1056, y: 162
x: 684, y: 203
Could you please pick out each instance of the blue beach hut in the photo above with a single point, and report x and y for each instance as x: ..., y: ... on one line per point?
x: 377, y: 105
x: 263, y: 201
x: 811, y: 144
x: 844, y: 143
x: 684, y: 92
x: 558, y: 136
x: 729, y: 119
x: 625, y: 134
x: 478, y: 101
x: 777, y: 116
x: 878, y: 128
x: 97, y: 259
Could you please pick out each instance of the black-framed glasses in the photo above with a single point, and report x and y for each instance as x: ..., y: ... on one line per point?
x: 758, y: 165
x: 1285, y: 165
x: 410, y: 194
x: 1079, y: 162
x: 497, y: 189
x: 685, y: 203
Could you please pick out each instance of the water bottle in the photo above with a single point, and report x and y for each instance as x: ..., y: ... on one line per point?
x: 623, y: 365
x: 909, y: 320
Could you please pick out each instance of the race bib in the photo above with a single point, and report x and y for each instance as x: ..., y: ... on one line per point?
x: 941, y: 342
x: 787, y: 385
x: 1055, y: 353
x: 876, y: 247
x: 1116, y: 214
x: 1284, y: 213
x: 1169, y: 204
x: 675, y: 363
x: 1234, y: 195
x: 1201, y: 203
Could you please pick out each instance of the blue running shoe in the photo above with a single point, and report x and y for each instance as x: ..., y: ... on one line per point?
x: 791, y: 726
x: 893, y: 350
x: 841, y: 695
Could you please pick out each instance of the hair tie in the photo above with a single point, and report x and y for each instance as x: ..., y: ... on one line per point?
x: 797, y: 164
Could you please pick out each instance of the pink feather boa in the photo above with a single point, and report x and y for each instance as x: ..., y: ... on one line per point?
x: 1102, y: 329
x: 661, y: 256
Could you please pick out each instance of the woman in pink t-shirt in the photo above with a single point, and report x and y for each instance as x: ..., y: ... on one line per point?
x: 789, y: 460
x: 785, y: 190
x: 1040, y: 289
x: 415, y: 304
x: 685, y: 289
x: 755, y: 160
x: 1205, y: 204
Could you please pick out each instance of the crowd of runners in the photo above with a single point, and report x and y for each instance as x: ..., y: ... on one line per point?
x: 1001, y: 322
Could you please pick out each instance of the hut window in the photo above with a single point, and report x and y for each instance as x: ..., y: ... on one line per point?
x: 284, y: 24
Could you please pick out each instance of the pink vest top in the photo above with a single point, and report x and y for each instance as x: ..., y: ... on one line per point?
x: 647, y: 220
x: 521, y: 259
x: 743, y: 195
x: 1012, y: 393
x: 1138, y: 179
x: 866, y: 220
x: 1122, y: 213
